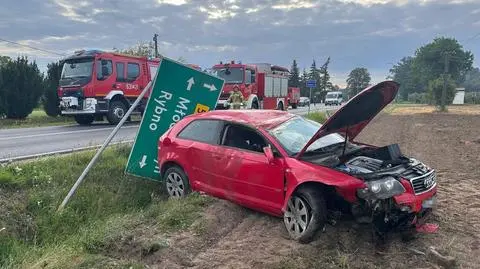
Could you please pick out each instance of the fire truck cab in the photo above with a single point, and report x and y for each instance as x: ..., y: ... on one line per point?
x: 96, y: 84
x: 264, y: 86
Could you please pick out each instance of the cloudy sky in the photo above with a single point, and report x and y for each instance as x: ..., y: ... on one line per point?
x: 354, y: 33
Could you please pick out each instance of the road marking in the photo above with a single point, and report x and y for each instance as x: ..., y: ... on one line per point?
x: 60, y: 133
x: 63, y: 151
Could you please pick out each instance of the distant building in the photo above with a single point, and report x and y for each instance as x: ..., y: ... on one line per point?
x: 459, y: 98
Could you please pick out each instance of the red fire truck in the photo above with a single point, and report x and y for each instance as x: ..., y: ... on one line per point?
x: 96, y: 84
x: 293, y: 96
x: 264, y: 86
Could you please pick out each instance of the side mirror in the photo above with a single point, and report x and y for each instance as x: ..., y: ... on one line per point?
x: 269, y: 154
x: 167, y: 141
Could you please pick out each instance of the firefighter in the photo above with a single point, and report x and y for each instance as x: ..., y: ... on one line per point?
x: 236, y: 98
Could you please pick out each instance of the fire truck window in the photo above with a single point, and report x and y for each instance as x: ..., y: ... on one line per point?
x: 104, y: 69
x: 248, y: 77
x: 120, y: 72
x: 133, y: 71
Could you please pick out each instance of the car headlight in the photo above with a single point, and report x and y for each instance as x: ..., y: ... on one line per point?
x: 382, y: 188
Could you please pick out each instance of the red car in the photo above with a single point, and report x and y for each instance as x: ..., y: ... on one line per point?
x: 285, y: 165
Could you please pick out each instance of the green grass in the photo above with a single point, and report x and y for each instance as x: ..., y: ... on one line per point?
x: 108, y: 208
x: 37, y: 118
x: 319, y: 117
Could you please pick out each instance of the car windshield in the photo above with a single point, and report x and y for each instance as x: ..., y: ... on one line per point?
x: 79, y: 68
x: 331, y: 95
x: 230, y: 75
x: 295, y: 133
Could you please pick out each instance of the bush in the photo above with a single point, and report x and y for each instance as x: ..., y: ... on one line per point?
x: 435, y: 88
x: 50, y: 98
x: 472, y: 98
x: 418, y: 98
x: 20, y: 88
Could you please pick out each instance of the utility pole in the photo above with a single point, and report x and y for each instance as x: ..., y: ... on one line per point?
x: 444, y: 90
x: 156, y: 44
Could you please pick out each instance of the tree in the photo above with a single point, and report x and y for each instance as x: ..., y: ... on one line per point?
x: 325, y: 83
x: 4, y: 60
x: 50, y: 98
x: 472, y: 81
x: 21, y: 87
x: 294, y: 79
x: 304, y: 91
x: 142, y: 48
x: 357, y: 80
x: 314, y: 74
x: 403, y: 73
x: 430, y: 60
x: 435, y: 88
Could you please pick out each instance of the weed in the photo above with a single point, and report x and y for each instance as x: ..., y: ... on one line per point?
x: 319, y: 117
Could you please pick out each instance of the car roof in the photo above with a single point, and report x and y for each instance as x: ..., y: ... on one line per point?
x: 264, y: 119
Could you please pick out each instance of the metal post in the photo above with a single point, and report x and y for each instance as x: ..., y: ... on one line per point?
x: 310, y: 101
x: 156, y: 45
x: 102, y: 148
x: 444, y: 90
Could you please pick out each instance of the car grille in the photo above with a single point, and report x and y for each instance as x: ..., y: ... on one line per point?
x: 424, y: 182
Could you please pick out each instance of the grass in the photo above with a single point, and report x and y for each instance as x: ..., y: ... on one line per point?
x: 319, y: 117
x: 108, y: 209
x: 37, y: 118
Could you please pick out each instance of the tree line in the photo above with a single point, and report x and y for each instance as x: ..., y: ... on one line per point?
x: 23, y: 87
x: 441, y: 63
x: 358, y: 79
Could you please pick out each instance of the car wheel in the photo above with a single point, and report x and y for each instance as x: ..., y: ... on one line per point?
x: 294, y: 105
x: 116, y: 112
x: 255, y: 105
x: 280, y: 106
x: 305, y: 214
x: 84, y: 119
x: 176, y: 182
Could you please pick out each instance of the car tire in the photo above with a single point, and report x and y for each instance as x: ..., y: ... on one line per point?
x: 176, y: 182
x: 255, y: 105
x: 294, y: 105
x: 306, y: 205
x: 84, y: 119
x: 280, y: 106
x: 116, y: 112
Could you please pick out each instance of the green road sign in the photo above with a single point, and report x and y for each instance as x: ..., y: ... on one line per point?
x: 177, y: 91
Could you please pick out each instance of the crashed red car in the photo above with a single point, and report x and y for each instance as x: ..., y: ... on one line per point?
x: 285, y: 165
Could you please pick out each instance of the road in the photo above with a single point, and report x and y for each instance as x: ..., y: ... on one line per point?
x: 25, y: 143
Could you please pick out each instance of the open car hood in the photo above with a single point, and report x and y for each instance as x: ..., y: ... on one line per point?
x: 354, y: 115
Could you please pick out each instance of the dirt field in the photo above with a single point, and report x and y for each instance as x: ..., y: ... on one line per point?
x: 233, y: 237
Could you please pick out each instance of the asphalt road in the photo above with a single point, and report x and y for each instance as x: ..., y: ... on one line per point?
x: 25, y: 143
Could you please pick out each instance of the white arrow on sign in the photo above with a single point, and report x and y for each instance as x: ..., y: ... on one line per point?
x: 211, y: 87
x: 190, y: 83
x: 143, y: 162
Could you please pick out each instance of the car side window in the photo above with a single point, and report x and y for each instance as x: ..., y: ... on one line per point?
x: 241, y: 137
x: 206, y: 131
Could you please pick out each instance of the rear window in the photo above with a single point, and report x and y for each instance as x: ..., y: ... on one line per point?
x: 206, y: 131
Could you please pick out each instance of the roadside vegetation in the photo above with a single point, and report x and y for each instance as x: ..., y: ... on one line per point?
x: 107, y: 208
x: 37, y: 118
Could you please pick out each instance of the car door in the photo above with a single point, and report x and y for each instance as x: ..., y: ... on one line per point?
x: 199, y: 143
x: 245, y: 173
x: 103, y: 76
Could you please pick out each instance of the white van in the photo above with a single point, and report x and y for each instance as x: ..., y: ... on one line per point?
x: 333, y: 98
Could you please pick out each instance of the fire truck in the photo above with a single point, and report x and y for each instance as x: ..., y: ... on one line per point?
x: 96, y: 84
x: 293, y: 96
x: 264, y: 86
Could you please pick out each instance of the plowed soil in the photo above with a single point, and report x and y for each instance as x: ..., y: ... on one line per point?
x: 234, y: 237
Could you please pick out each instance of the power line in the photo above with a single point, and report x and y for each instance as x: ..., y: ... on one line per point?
x: 34, y: 48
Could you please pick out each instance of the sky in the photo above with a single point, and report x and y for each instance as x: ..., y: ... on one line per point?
x: 354, y: 33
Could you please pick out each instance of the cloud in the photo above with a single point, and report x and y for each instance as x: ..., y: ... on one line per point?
x: 353, y: 33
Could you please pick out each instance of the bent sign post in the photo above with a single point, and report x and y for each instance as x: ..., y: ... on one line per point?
x: 178, y: 91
